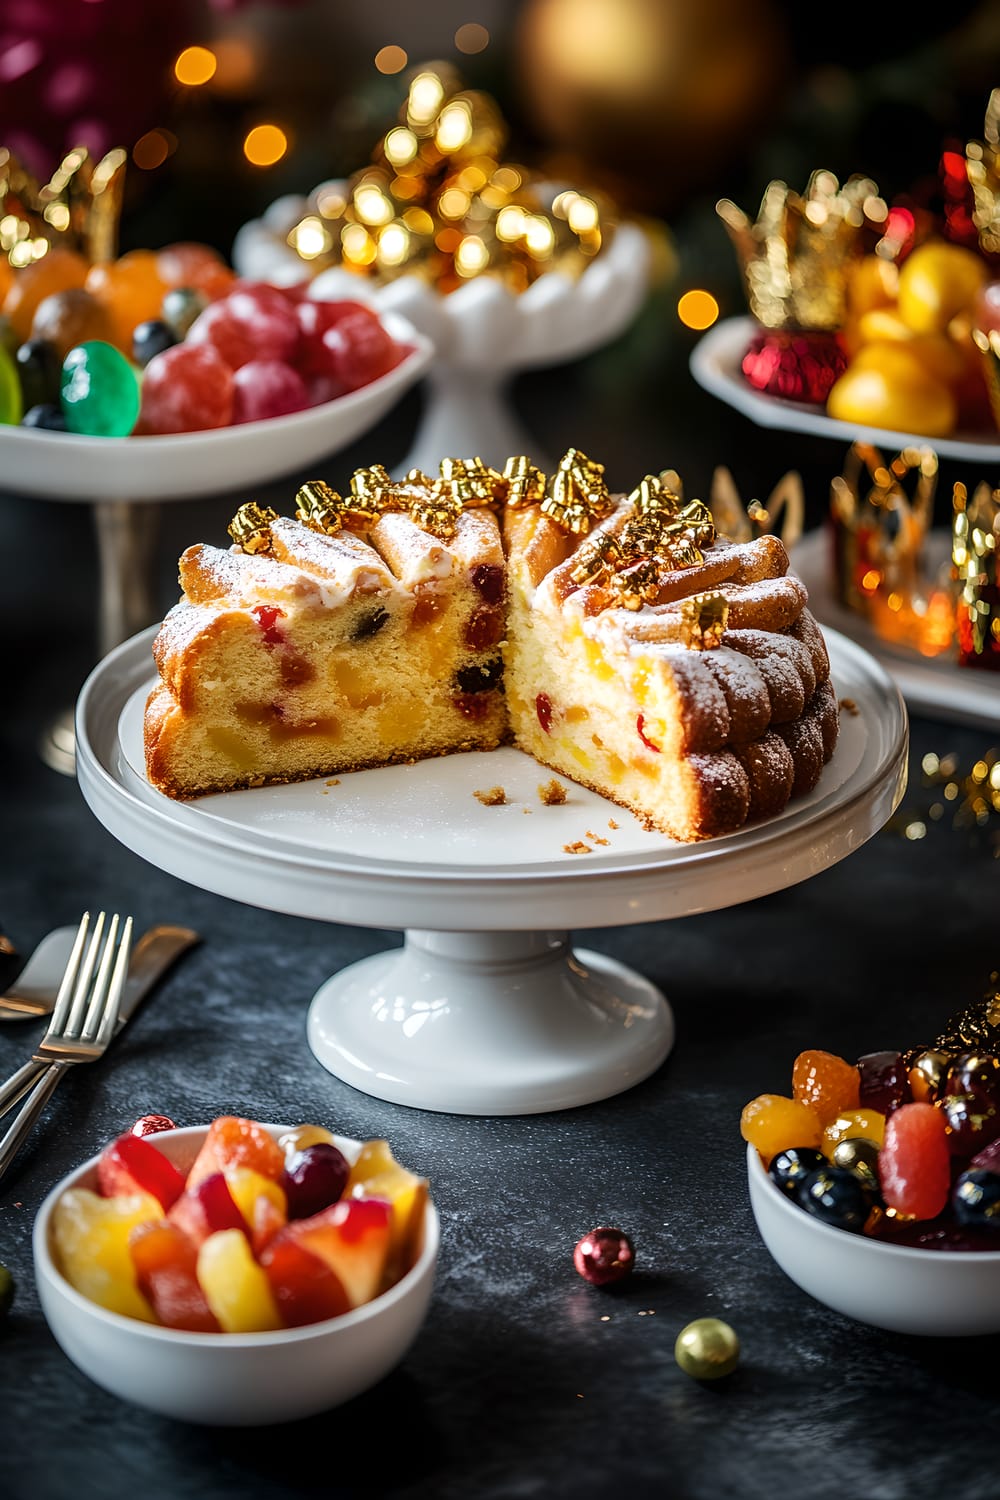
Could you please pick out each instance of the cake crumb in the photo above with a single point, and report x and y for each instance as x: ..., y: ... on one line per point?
x: 334, y: 782
x: 578, y: 848
x: 595, y: 838
x: 494, y: 796
x: 612, y: 823
x: 526, y: 810
x: 552, y: 793
x: 850, y: 705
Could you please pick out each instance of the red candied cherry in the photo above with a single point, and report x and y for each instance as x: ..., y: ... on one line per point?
x: 253, y: 321
x: 152, y: 1124
x: 914, y: 1164
x: 315, y: 319
x: 186, y: 389
x: 640, y: 725
x: 543, y: 708
x: 267, y: 388
x: 361, y: 349
x: 604, y: 1255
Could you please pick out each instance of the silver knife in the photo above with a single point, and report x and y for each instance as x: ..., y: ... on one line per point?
x: 152, y: 956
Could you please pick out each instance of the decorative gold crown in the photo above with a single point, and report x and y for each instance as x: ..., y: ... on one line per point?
x: 982, y: 167
x: 796, y: 258
x: 975, y: 552
x: 879, y: 526
x: 743, y: 523
x: 79, y: 207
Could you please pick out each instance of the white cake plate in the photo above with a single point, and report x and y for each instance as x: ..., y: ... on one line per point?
x: 715, y: 364
x: 487, y: 1009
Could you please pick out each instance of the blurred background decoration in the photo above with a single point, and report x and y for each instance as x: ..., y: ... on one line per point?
x: 224, y: 105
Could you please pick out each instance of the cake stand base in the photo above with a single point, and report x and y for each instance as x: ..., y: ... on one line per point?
x: 468, y: 412
x: 490, y: 1023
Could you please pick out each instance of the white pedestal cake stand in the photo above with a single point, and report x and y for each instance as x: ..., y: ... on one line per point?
x: 487, y: 1009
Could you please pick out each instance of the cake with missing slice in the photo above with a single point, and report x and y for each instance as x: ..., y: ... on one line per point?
x: 617, y: 639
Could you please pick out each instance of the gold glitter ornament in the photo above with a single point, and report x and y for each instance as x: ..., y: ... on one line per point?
x: 926, y: 1073
x: 525, y: 483
x: 707, y: 1349
x: 975, y: 1028
x: 704, y: 618
x: 880, y: 527
x: 982, y: 167
x: 79, y: 208
x: 437, y: 512
x: 320, y: 507
x: 974, y: 553
x: 785, y: 504
x: 637, y: 584
x: 250, y: 528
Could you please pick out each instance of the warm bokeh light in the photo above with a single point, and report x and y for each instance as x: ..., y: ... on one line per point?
x: 697, y: 309
x: 472, y: 37
x: 195, y: 65
x: 237, y: 65
x: 391, y: 59
x: 264, y: 145
x: 152, y: 149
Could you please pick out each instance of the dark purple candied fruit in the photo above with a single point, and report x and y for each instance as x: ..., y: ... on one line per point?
x: 369, y: 624
x: 314, y: 1178
x: 972, y: 1123
x: 472, y: 705
x: 975, y: 1073
x: 790, y: 1166
x: 603, y: 1256
x: 481, y: 678
x: 543, y: 708
x: 487, y: 580
x: 884, y: 1082
x: 988, y: 1158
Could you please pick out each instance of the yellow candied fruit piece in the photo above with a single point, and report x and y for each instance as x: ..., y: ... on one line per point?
x: 301, y: 1136
x: 235, y: 1287
x: 90, y: 1240
x: 849, y: 1124
x: 616, y: 767
x: 576, y: 713
x: 596, y: 663
x: 377, y: 1174
x: 399, y: 722
x: 246, y: 1186
x: 354, y: 684
x: 232, y: 745
x: 579, y: 755
x: 773, y: 1122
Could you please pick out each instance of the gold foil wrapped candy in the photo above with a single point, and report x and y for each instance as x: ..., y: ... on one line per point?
x: 437, y: 200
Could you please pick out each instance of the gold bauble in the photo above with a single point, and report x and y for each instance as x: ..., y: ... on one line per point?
x: 707, y: 1349
x: 659, y: 95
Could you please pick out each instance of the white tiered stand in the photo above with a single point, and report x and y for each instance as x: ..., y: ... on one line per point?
x: 487, y: 1008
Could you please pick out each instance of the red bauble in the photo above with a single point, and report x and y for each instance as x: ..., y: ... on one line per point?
x: 794, y: 364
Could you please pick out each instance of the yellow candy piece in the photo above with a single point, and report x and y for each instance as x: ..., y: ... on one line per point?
x: 873, y: 282
x: 936, y: 281
x: 247, y: 1186
x: 301, y: 1136
x: 377, y: 1174
x: 886, y: 386
x: 236, y: 1288
x: 90, y: 1239
x: 849, y: 1125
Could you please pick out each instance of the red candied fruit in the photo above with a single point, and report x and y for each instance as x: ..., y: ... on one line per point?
x: 266, y: 388
x: 186, y: 388
x: 267, y: 616
x: 484, y: 629
x: 543, y: 708
x: 315, y: 320
x: 131, y: 1164
x: 640, y: 730
x: 472, y: 705
x: 166, y: 1263
x: 487, y: 580
x: 254, y: 321
x: 914, y: 1164
x: 827, y: 1083
x: 361, y: 349
x: 189, y: 264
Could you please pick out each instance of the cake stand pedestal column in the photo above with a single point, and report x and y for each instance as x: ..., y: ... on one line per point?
x: 126, y: 540
x: 490, y: 1023
x: 468, y: 413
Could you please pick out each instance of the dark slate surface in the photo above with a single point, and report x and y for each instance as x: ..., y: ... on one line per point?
x: 525, y: 1381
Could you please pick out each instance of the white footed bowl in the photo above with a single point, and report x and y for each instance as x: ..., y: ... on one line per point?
x: 942, y: 1293
x: 231, y: 1379
x: 482, y: 332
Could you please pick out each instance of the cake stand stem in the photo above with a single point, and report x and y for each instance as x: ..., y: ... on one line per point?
x: 126, y: 537
x: 490, y: 1023
x: 468, y: 415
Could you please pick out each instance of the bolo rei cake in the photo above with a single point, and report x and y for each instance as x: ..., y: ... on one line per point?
x: 616, y: 638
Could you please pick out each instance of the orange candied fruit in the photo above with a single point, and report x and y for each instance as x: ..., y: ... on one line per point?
x: 850, y: 1125
x: 826, y: 1082
x: 773, y: 1122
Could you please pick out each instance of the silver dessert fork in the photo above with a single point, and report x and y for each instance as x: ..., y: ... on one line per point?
x: 82, y: 1024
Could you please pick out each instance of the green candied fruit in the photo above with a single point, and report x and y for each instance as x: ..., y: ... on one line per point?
x: 11, y: 407
x: 6, y: 1291
x: 100, y: 391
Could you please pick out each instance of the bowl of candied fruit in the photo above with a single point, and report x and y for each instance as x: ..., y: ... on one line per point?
x: 875, y: 1183
x: 238, y: 1273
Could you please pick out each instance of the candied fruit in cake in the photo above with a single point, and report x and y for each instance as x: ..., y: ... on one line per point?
x: 915, y: 1161
x: 236, y: 1288
x: 828, y: 1084
x: 773, y: 1122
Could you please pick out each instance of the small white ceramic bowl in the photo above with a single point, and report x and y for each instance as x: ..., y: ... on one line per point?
x: 231, y: 1379
x: 943, y: 1293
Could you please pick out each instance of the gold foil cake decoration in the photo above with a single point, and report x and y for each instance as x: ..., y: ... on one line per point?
x: 576, y: 495
x: 782, y: 514
x: 250, y: 528
x: 439, y: 200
